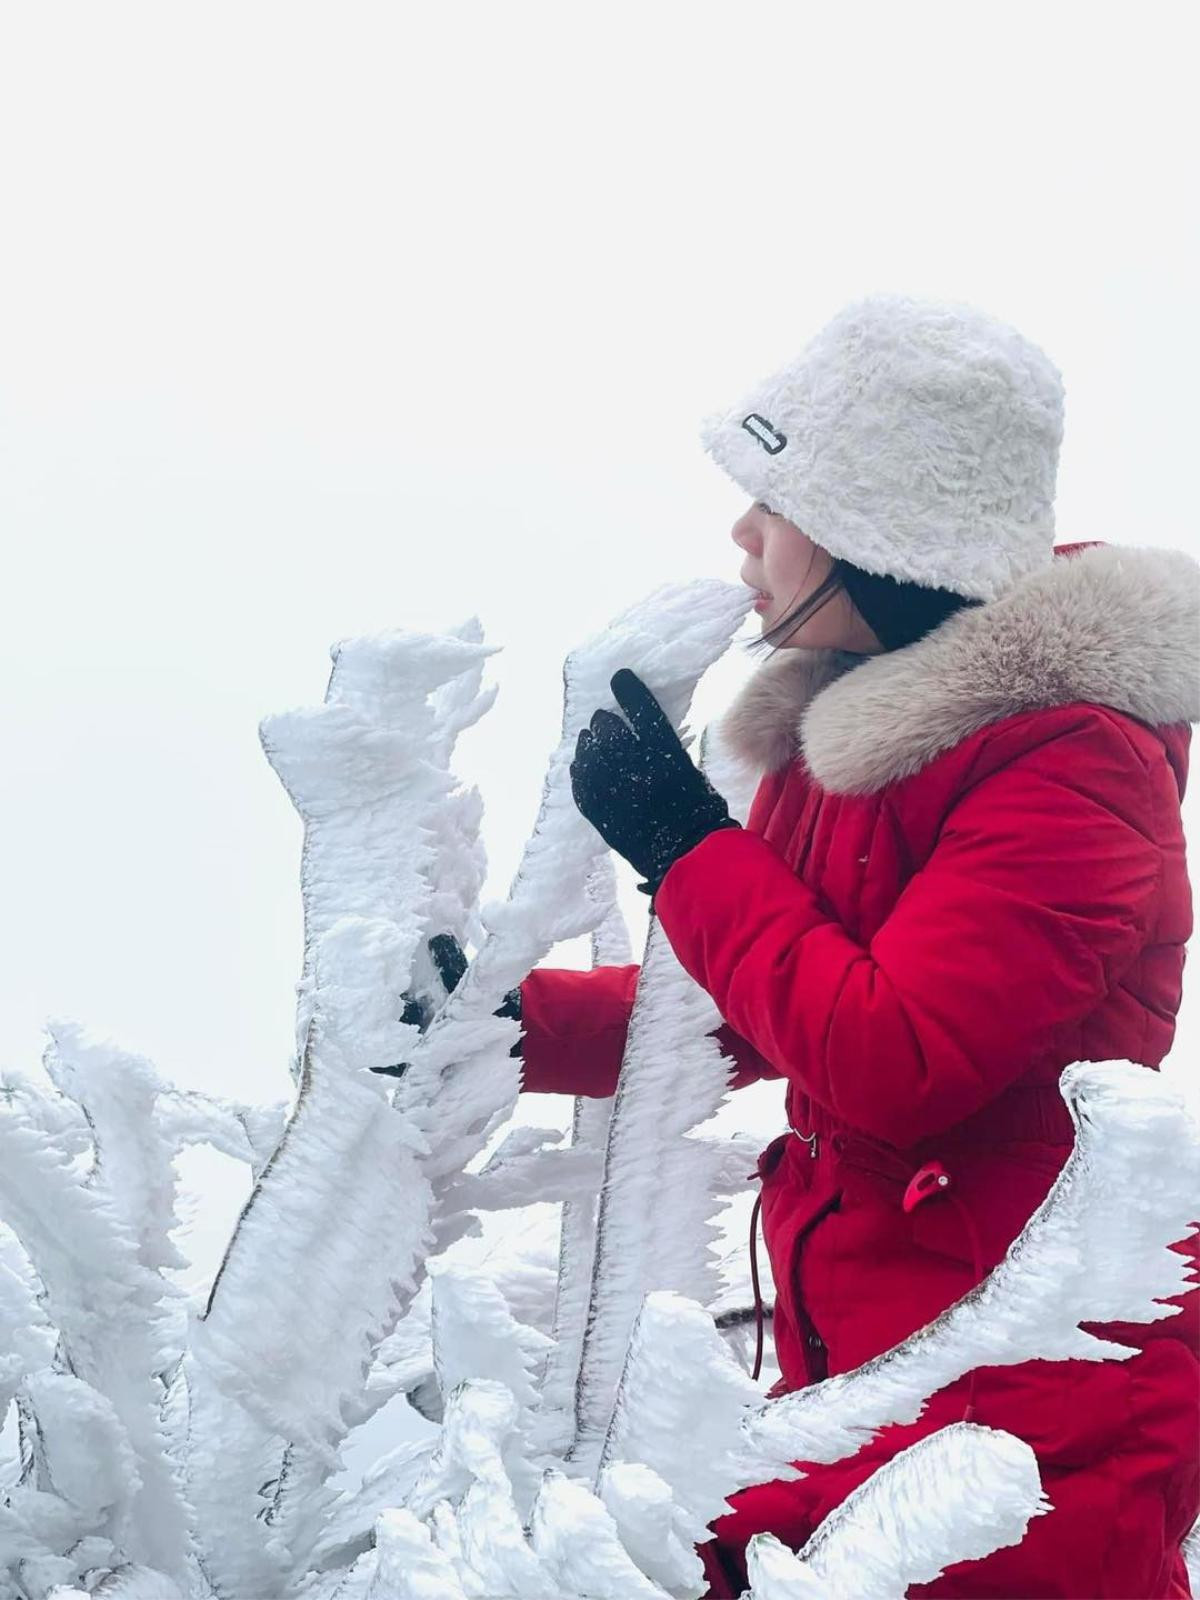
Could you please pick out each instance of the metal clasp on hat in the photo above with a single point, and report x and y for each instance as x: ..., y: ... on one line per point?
x: 766, y: 433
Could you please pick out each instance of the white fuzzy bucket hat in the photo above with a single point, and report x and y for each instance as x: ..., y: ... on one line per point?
x: 915, y: 438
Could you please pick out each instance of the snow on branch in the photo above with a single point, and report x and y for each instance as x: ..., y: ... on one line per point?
x: 954, y: 1496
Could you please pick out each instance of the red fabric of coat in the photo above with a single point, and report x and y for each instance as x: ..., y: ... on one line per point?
x: 963, y: 868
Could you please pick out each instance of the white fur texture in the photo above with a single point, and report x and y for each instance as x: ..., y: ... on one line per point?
x: 922, y: 440
x: 1114, y: 624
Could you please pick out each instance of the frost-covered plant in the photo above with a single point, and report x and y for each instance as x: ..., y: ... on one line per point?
x: 964, y: 1488
x: 592, y: 1421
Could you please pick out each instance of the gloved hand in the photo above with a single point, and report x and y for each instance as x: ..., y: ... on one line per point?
x: 639, y: 788
x: 451, y: 962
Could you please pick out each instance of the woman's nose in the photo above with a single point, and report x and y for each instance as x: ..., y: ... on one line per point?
x: 744, y: 535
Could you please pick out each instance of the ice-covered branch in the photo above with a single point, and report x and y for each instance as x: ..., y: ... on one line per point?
x: 555, y: 1422
x: 364, y: 1190
x: 955, y: 1496
x: 669, y: 639
x: 96, y: 1242
x: 673, y: 1077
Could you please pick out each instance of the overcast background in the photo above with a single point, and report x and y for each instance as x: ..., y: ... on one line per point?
x: 317, y: 320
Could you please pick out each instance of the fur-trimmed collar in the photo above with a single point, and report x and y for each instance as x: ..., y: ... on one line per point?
x: 1114, y: 624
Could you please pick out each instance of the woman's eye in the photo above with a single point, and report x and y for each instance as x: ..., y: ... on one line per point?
x: 763, y: 506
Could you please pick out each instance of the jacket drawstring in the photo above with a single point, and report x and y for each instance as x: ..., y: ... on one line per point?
x: 769, y: 1156
x: 758, y: 1303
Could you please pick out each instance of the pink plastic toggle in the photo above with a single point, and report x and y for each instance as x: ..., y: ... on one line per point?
x: 927, y: 1180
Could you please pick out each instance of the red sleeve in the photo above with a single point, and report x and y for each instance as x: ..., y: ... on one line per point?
x: 1039, y: 893
x: 574, y: 1027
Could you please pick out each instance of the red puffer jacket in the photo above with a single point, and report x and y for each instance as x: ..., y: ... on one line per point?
x: 964, y: 868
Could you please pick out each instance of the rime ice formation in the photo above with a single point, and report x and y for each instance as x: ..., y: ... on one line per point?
x: 966, y: 1487
x: 591, y: 1418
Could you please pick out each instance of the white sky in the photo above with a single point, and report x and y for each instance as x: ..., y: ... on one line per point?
x: 316, y: 320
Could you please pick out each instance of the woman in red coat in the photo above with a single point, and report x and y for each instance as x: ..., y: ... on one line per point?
x: 963, y: 869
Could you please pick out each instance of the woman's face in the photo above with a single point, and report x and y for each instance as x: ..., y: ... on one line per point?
x: 786, y: 566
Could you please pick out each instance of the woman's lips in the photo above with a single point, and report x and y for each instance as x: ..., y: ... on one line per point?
x: 762, y: 602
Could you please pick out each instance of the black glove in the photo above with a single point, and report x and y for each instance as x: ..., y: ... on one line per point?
x: 639, y: 788
x: 451, y: 963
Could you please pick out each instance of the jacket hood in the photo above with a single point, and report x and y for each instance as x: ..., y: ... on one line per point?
x: 1114, y: 624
